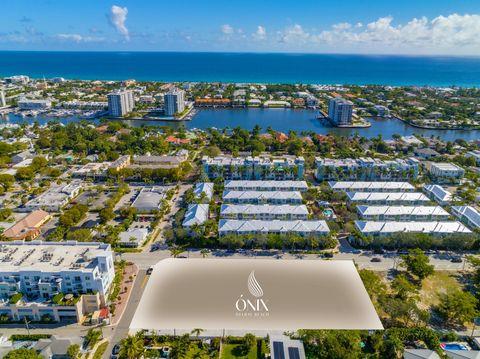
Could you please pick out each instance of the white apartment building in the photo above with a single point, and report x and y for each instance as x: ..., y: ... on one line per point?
x: 264, y: 212
x: 388, y: 198
x: 262, y: 197
x: 446, y: 172
x: 120, y: 103
x: 402, y: 213
x: 378, y: 186
x: 174, y: 102
x: 54, y: 199
x: 385, y: 228
x: 3, y: 102
x: 468, y: 215
x: 340, y: 111
x: 257, y: 227
x: 438, y: 194
x: 366, y: 169
x: 40, y: 270
x: 233, y: 185
x: 25, y: 104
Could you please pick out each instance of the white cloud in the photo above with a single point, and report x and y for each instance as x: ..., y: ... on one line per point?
x: 78, y: 38
x: 294, y: 33
x: 118, y: 17
x: 455, y: 33
x: 226, y: 29
x: 260, y: 34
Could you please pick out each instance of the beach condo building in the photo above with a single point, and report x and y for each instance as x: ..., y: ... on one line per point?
x: 366, y: 169
x: 255, y: 168
x: 61, y: 280
x: 340, y: 111
x: 445, y: 172
x: 233, y: 185
x: 120, y: 103
x: 385, y: 228
x: 264, y: 212
x: 174, y: 102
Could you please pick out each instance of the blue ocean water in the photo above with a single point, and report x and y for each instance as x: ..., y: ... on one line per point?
x: 246, y: 67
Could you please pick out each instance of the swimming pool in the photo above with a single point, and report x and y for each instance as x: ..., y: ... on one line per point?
x: 453, y: 346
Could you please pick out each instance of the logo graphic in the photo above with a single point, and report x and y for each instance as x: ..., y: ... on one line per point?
x: 255, y: 306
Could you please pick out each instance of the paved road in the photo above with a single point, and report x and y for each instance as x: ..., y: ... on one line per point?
x: 116, y: 333
x: 362, y: 259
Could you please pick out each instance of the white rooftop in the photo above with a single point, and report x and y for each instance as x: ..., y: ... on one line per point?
x: 438, y: 192
x: 196, y: 214
x: 274, y: 226
x: 262, y: 195
x: 36, y: 255
x: 280, y: 209
x: 387, y: 197
x: 469, y: 213
x: 362, y: 186
x: 206, y: 187
x: 434, y: 227
x: 402, y: 210
x: 267, y: 185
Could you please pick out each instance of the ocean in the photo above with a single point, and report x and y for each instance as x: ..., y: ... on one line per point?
x: 438, y: 71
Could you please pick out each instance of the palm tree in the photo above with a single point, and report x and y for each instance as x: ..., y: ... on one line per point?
x: 196, y: 332
x: 204, y: 252
x: 132, y: 347
x: 176, y: 251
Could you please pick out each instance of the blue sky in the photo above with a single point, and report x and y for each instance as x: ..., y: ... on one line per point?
x: 449, y: 27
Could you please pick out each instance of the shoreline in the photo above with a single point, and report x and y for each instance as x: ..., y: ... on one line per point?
x: 424, y: 127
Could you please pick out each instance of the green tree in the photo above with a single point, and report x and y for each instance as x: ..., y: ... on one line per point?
x: 417, y: 263
x: 250, y: 341
x: 458, y: 307
x: 23, y: 353
x: 106, y: 214
x: 132, y: 347
x: 403, y: 287
x: 24, y: 174
x: 73, y: 351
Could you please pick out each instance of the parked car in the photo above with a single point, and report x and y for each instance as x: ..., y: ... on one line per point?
x: 150, y: 270
x: 116, y: 349
x: 456, y: 260
x: 376, y: 260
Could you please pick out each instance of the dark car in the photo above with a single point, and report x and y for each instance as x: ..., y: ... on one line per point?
x: 149, y: 270
x: 116, y: 349
x: 379, y: 251
x: 328, y: 255
x: 456, y: 260
x: 376, y: 260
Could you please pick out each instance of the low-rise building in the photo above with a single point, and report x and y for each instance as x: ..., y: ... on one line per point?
x: 468, y: 215
x: 475, y: 154
x: 425, y: 153
x: 26, y: 104
x: 438, y: 194
x: 28, y: 227
x: 133, y: 237
x: 264, y: 212
x: 56, y: 347
x: 262, y: 197
x: 204, y: 187
x: 196, y: 215
x: 384, y: 228
x: 388, y: 198
x: 22, y: 156
x: 149, y: 199
x: 54, y: 199
x: 163, y: 161
x: 378, y: 186
x: 283, y: 347
x: 255, y: 168
x: 402, y: 213
x: 258, y: 227
x: 366, y: 169
x: 446, y: 172
x: 232, y: 185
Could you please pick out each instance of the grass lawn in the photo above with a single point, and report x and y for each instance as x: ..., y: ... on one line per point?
x: 235, y: 351
x: 438, y: 283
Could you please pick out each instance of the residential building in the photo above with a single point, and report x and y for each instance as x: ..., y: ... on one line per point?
x: 446, y: 172
x: 17, y: 79
x: 411, y: 140
x: 3, y: 102
x: 468, y: 215
x: 233, y: 185
x: 282, y: 347
x: 438, y: 194
x: 133, y: 237
x: 258, y: 227
x: 196, y: 215
x: 174, y: 101
x: 22, y: 156
x: 149, y: 199
x: 120, y: 103
x: 402, y: 213
x: 366, y: 169
x: 420, y: 354
x: 28, y: 227
x: 475, y: 154
x: 42, y: 270
x: 425, y: 153
x: 382, y: 228
x: 387, y: 198
x: 203, y: 187
x: 262, y: 197
x: 340, y: 111
x: 162, y: 161
x: 56, y: 347
x: 120, y: 163
x: 264, y: 212
x: 379, y: 186
x: 382, y: 111
x: 26, y: 104
x: 255, y: 168
x: 54, y: 199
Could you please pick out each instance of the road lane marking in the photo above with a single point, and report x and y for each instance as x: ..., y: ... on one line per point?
x: 145, y: 280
